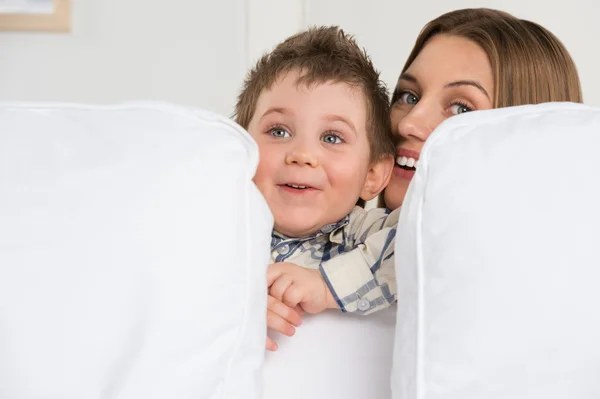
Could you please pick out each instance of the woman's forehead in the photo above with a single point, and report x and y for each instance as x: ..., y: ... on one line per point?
x: 448, y: 58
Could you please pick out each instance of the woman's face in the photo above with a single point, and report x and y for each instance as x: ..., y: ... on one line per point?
x: 451, y: 75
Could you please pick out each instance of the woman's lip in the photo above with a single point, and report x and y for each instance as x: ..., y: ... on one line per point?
x: 403, y: 152
x: 403, y: 173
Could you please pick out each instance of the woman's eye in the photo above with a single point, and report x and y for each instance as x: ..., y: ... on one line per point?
x: 458, y: 109
x: 332, y: 139
x: 409, y: 98
x: 279, y: 132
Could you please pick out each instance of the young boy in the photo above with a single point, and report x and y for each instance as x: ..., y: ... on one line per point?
x: 320, y: 116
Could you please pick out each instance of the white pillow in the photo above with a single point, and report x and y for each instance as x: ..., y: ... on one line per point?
x: 333, y: 355
x: 133, y: 252
x: 498, y: 259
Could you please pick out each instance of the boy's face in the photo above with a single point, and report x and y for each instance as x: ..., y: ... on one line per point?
x: 314, y: 152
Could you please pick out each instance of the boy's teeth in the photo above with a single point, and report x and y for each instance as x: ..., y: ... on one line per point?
x: 295, y: 186
x: 405, y: 161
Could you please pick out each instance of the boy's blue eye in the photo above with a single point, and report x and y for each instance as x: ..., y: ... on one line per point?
x: 279, y: 132
x: 332, y: 139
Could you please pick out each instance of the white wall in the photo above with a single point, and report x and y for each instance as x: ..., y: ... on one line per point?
x: 196, y: 52
x: 119, y: 50
x: 389, y: 28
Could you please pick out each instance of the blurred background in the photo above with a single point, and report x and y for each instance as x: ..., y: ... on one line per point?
x: 196, y: 52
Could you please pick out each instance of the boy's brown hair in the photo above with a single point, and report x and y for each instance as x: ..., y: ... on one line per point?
x: 323, y: 54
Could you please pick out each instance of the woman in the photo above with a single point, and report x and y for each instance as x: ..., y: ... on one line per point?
x: 467, y: 60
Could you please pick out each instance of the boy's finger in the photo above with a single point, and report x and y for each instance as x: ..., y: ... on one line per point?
x: 274, y: 272
x: 279, y: 324
x: 291, y: 315
x: 279, y: 286
x: 271, y: 345
x: 293, y: 296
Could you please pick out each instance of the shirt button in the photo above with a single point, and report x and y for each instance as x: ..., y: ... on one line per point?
x: 283, y: 249
x: 364, y: 305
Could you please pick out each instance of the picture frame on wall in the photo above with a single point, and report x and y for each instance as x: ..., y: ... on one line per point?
x: 35, y: 15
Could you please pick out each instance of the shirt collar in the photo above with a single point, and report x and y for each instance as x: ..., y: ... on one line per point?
x: 331, y: 229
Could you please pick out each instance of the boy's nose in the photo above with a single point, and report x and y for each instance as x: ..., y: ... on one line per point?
x: 302, y: 156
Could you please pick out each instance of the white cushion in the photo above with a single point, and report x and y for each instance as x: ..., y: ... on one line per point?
x: 333, y: 355
x: 498, y: 259
x: 133, y: 252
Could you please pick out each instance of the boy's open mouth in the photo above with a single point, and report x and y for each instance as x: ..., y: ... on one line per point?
x: 292, y: 187
x: 297, y: 186
x: 407, y: 163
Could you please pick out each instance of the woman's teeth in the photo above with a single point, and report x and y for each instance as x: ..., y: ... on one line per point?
x: 409, y: 162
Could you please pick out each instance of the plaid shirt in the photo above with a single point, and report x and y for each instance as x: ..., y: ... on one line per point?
x: 355, y: 257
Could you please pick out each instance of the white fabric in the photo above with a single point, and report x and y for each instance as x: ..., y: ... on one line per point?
x: 133, y: 252
x: 498, y: 259
x: 333, y: 355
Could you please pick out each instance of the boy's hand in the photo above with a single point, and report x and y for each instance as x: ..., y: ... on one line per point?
x: 295, y: 285
x: 282, y: 319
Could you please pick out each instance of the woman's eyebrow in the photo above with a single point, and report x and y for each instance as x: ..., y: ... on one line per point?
x: 408, y: 76
x: 405, y: 76
x: 469, y: 83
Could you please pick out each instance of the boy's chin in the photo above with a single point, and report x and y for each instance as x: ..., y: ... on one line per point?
x: 298, y: 226
x: 300, y: 223
x: 296, y: 230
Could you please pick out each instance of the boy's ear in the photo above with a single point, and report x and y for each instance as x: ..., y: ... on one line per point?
x: 379, y: 175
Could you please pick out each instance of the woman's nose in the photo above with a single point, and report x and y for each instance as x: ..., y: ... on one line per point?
x: 418, y: 123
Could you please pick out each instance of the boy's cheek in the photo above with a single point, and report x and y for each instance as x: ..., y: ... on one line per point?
x: 269, y: 157
x: 264, y: 177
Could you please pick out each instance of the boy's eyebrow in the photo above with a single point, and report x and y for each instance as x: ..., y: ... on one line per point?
x: 339, y: 118
x: 275, y: 110
x: 412, y: 79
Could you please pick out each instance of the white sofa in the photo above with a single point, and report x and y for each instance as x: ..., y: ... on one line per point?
x: 498, y: 259
x: 133, y: 247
